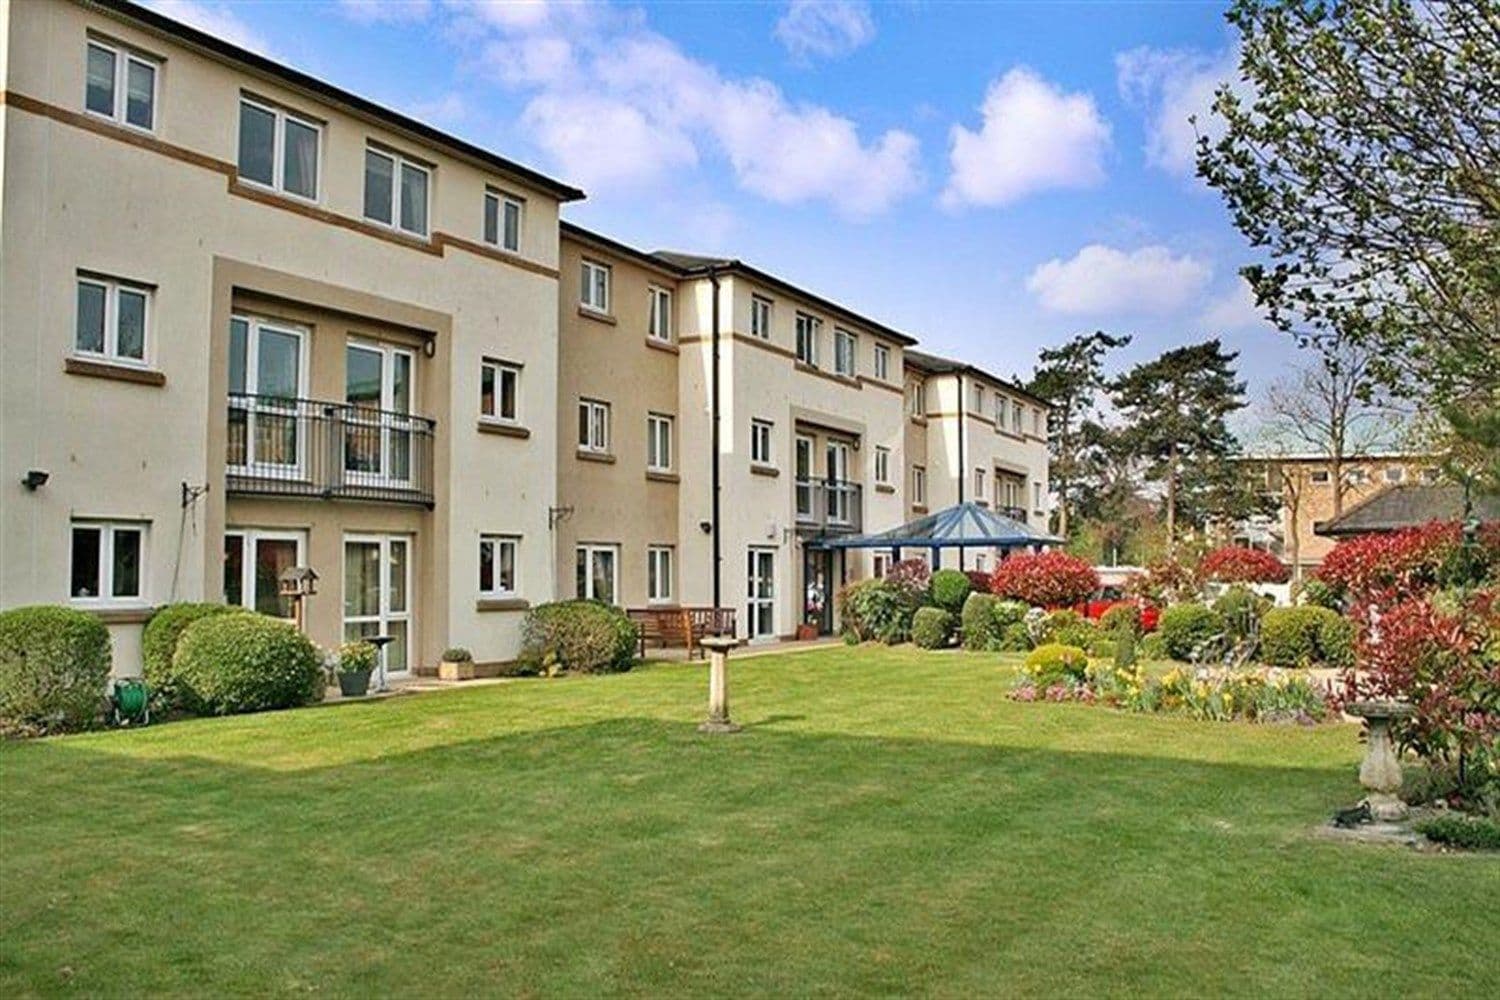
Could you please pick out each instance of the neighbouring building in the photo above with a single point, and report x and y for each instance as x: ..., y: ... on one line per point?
x: 251, y: 321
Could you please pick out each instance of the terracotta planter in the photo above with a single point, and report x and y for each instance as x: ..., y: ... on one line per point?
x: 456, y: 670
x: 805, y: 632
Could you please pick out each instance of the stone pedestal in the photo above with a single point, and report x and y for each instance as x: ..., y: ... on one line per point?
x: 1380, y: 773
x: 718, y: 647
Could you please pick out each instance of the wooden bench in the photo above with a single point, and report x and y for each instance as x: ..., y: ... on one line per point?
x: 681, y: 627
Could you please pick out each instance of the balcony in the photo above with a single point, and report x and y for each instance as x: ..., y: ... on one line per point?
x: 1014, y: 513
x: 281, y: 447
x: 829, y: 506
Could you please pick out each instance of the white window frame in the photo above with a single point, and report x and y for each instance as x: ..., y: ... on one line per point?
x: 589, y: 270
x: 123, y: 58
x: 979, y: 483
x: 880, y: 565
x: 807, y: 330
x: 399, y: 162
x: 659, y: 314
x: 502, y: 203
x: 278, y: 150
x: 254, y: 406
x: 1036, y: 423
x: 882, y: 362
x: 919, y: 485
x: 597, y: 442
x: 1037, y: 504
x: 999, y: 412
x: 497, y: 542
x: 1017, y: 421
x: 919, y: 399
x: 760, y: 443
x: 105, y: 584
x: 656, y: 425
x: 760, y: 317
x: 250, y: 538
x: 976, y: 398
x: 845, y: 352
x: 501, y: 369
x: 391, y: 423
x: 659, y: 559
x: 112, y: 289
x: 590, y: 550
x: 882, y: 465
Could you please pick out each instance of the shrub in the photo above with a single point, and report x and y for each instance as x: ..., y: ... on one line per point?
x: 1008, y: 613
x: 1152, y: 647
x: 457, y: 654
x: 228, y: 664
x: 1048, y: 579
x: 1289, y: 636
x: 54, y: 665
x: 1241, y: 608
x: 1103, y: 648
x: 1389, y: 568
x: 1240, y: 564
x: 1472, y: 833
x: 1184, y: 626
x: 977, y: 622
x: 1165, y: 580
x: 1320, y: 594
x: 1055, y: 662
x: 159, y: 643
x: 588, y: 637
x: 1054, y: 622
x: 1015, y: 638
x: 878, y: 609
x: 979, y: 580
x: 932, y: 628
x: 1125, y: 654
x: 1122, y: 617
x: 910, y: 577
x: 1336, y: 639
x: 950, y: 588
x: 356, y: 657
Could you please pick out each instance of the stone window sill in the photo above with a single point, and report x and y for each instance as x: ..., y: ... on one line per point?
x: 504, y: 430
x: 658, y: 476
x: 884, y: 488
x: 110, y: 370
x: 597, y: 316
x: 502, y: 604
x: 765, y: 470
x: 662, y: 345
x: 596, y: 456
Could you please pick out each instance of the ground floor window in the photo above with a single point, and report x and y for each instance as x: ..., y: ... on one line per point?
x: 254, y: 560
x: 497, y: 565
x: 106, y: 561
x: 659, y: 574
x: 597, y: 572
x: 880, y: 563
x: 377, y: 594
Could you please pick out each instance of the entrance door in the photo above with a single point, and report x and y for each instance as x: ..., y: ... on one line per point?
x: 817, y: 600
x: 838, y: 480
x: 761, y: 592
x: 377, y: 594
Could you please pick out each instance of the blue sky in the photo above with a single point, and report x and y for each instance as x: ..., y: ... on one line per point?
x: 992, y: 177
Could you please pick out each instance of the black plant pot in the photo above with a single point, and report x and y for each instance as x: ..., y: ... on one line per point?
x: 354, y: 684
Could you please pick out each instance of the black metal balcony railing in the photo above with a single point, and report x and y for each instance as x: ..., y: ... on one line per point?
x: 332, y: 451
x: 829, y: 505
x: 1014, y: 513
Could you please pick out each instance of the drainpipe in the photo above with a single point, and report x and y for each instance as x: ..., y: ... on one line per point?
x: 713, y: 277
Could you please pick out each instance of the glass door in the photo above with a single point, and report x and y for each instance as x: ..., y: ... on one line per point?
x: 804, y: 473
x: 838, y: 482
x: 761, y: 589
x: 377, y: 428
x: 253, y: 563
x: 377, y: 594
x: 265, y: 383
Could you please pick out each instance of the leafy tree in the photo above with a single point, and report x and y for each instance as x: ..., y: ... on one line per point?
x: 1072, y: 377
x: 1175, y: 411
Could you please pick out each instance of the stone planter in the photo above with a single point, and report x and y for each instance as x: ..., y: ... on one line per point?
x: 456, y: 670
x: 354, y: 684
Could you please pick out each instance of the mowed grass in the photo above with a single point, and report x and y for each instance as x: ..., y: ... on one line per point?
x: 888, y: 823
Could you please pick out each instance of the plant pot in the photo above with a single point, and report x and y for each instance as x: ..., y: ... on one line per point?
x: 456, y: 670
x: 355, y: 684
x: 805, y: 632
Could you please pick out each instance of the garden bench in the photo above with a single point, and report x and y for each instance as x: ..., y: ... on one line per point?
x: 681, y: 627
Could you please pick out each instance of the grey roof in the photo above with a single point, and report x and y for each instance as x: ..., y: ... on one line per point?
x: 936, y: 365
x: 691, y: 261
x: 965, y: 525
x: 1407, y: 506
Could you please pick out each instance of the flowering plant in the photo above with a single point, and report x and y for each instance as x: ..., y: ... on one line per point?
x: 1239, y: 564
x: 1384, y: 569
x: 1165, y: 581
x: 1049, y: 579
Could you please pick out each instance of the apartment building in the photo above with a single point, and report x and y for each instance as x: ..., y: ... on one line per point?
x: 250, y: 321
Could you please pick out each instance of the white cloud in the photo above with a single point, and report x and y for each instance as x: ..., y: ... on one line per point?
x: 825, y: 28
x: 1033, y: 137
x: 1234, y: 310
x: 1173, y: 86
x: 214, y: 18
x: 604, y: 142
x: 1101, y: 279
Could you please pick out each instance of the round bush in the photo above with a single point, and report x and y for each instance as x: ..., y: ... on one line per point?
x: 1015, y: 638
x: 54, y: 666
x: 1289, y: 636
x: 1241, y: 607
x: 1238, y: 564
x: 932, y: 628
x: 1184, y: 626
x: 1336, y: 638
x: 1060, y: 621
x: 1008, y: 613
x: 950, y: 588
x: 230, y: 664
x: 1122, y: 617
x: 159, y: 643
x: 977, y: 622
x: 1054, y: 662
x: 1048, y: 579
x: 587, y: 637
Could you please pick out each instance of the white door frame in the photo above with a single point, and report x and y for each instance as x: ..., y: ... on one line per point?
x: 385, y: 614
x: 765, y: 605
x: 250, y: 538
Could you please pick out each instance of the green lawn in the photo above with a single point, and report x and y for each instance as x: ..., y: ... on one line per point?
x: 887, y: 823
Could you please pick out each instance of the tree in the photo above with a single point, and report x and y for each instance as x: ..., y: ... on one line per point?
x: 1361, y: 156
x: 1071, y: 378
x: 1175, y: 411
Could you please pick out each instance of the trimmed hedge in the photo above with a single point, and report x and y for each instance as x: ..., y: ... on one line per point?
x: 1336, y: 641
x: 231, y: 664
x: 977, y: 622
x: 1184, y: 626
x: 950, y: 587
x: 1474, y: 833
x: 54, y: 668
x: 932, y: 628
x: 1054, y: 662
x: 159, y: 643
x: 587, y: 637
x: 1015, y: 638
x: 1289, y: 636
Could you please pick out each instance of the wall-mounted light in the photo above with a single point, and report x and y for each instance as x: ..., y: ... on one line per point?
x: 705, y: 526
x: 429, y: 347
x: 36, y: 478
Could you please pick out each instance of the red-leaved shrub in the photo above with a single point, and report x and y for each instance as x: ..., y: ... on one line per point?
x: 1166, y: 581
x: 1239, y: 564
x: 1050, y: 579
x: 1392, y: 565
x: 910, y: 577
x: 979, y: 580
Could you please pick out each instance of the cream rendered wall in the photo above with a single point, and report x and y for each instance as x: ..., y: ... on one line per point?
x: 75, y: 199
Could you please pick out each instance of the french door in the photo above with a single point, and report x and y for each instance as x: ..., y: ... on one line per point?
x: 761, y: 594
x: 803, y: 469
x: 267, y: 376
x: 377, y: 424
x: 838, y: 482
x: 377, y: 594
x: 253, y: 563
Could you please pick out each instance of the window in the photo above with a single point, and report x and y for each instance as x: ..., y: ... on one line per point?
x: 593, y: 426
x: 979, y: 484
x: 658, y: 442
x: 497, y: 565
x: 1016, y: 412
x: 278, y: 149
x: 1357, y: 477
x: 1036, y: 497
x: 595, y: 291
x: 1320, y: 476
x: 1430, y: 475
x: 120, y: 85
x: 661, y: 314
x: 999, y: 412
x: 807, y: 339
x: 658, y: 574
x: 106, y: 561
x: 111, y: 320
x: 253, y: 563
x: 396, y: 191
x: 760, y: 442
x: 982, y: 562
x: 760, y: 317
x: 597, y: 572
x: 843, y: 352
x: 882, y: 362
x: 1395, y: 474
x: 882, y: 465
x: 918, y: 399
x: 976, y: 398
x: 378, y: 388
x: 266, y: 377
x: 1036, y: 422
x: 502, y: 221
x: 879, y: 564
x: 499, y: 391
x: 918, y: 484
